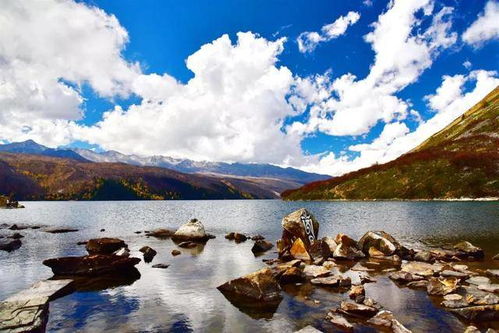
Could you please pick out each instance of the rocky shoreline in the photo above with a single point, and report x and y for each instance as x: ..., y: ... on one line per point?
x: 339, y: 264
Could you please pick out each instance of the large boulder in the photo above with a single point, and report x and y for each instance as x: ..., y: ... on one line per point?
x: 257, y: 289
x: 379, y: 240
x: 191, y: 231
x: 298, y: 225
x: 299, y: 251
x: 104, y: 245
x: 92, y: 265
x: 319, y: 251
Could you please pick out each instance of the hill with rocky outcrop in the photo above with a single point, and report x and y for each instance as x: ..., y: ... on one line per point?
x: 460, y: 161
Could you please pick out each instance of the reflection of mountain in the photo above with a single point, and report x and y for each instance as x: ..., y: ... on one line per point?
x: 462, y: 160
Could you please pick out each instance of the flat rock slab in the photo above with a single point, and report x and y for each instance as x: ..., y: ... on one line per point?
x: 27, y: 311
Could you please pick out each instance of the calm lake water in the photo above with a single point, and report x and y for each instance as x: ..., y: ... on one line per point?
x: 184, y: 298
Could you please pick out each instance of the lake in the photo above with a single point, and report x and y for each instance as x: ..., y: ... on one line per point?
x: 184, y: 298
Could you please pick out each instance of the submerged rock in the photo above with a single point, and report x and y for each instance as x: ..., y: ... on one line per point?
x: 187, y: 245
x: 104, y: 245
x: 298, y: 225
x: 10, y: 245
x: 404, y: 277
x: 176, y: 252
x: 162, y: 266
x: 191, y: 231
x: 261, y: 246
x: 16, y: 235
x: 27, y: 311
x: 91, y: 265
x: 148, y: 252
x: 478, y: 313
x: 258, y: 289
x: 308, y: 329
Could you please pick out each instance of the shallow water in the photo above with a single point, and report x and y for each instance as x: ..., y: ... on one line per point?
x: 184, y: 297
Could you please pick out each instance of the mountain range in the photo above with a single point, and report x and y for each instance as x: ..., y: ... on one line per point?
x: 33, y: 171
x: 460, y: 161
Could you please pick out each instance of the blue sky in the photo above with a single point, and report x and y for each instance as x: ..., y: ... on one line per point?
x: 161, y: 35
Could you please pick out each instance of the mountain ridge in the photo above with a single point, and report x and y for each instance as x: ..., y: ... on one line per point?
x: 460, y: 161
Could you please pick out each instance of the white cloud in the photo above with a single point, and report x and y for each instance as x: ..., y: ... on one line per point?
x: 46, y: 44
x: 486, y: 27
x: 402, y: 53
x: 232, y: 109
x: 449, y: 102
x: 308, y: 41
x: 467, y: 64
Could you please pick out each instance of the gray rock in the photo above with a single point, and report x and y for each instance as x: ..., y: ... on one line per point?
x: 332, y: 281
x: 314, y: 271
x: 491, y: 288
x: 478, y: 280
x: 449, y: 273
x: 421, y: 268
x: 27, y: 311
x: 493, y: 272
x: 340, y: 322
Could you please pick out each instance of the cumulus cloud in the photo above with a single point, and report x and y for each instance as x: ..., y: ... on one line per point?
x: 308, y: 41
x: 486, y: 27
x: 48, y: 49
x: 402, y: 52
x: 448, y: 102
x: 232, y: 109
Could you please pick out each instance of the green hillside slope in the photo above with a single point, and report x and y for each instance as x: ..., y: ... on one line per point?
x: 460, y: 161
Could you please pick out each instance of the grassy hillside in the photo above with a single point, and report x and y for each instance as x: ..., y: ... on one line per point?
x: 462, y: 160
x: 35, y: 177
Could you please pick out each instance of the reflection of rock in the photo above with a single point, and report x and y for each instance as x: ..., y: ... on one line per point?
x: 469, y: 249
x: 10, y: 244
x: 442, y: 286
x: 187, y: 245
x: 27, y: 311
x: 104, y: 245
x: 298, y: 225
x: 105, y: 281
x: 60, y: 230
x: 148, y: 252
x: 91, y: 265
x: 261, y: 246
x: 256, y: 291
